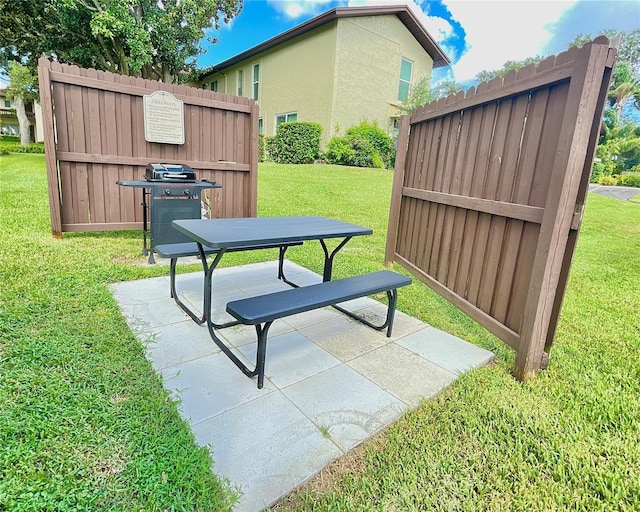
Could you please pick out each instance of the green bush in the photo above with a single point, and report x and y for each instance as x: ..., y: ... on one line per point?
x: 607, y: 180
x: 339, y: 151
x: 381, y: 142
x: 296, y: 143
x: 629, y: 180
x: 365, y: 145
x: 261, y: 148
x: 269, y: 144
x: 15, y: 147
x: 10, y: 138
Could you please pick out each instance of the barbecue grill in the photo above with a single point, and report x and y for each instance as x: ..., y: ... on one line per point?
x: 169, y: 192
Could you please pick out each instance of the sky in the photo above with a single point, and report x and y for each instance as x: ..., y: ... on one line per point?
x: 476, y: 35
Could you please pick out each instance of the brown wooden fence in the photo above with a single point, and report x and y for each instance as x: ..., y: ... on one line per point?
x: 94, y: 136
x: 489, y: 193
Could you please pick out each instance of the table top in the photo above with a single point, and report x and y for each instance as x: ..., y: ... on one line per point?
x: 237, y: 232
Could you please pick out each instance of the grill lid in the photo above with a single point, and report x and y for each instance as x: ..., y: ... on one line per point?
x: 170, y: 172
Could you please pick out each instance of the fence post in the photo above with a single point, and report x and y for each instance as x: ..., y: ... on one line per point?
x: 396, y: 191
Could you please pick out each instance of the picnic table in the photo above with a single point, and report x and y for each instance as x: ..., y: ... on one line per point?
x: 218, y: 236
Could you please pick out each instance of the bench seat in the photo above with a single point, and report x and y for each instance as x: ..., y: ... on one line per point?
x: 262, y: 310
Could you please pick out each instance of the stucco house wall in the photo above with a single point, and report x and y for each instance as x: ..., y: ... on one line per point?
x: 368, y: 58
x: 337, y: 72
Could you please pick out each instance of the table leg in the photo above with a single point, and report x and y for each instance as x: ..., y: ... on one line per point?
x: 211, y: 326
x: 328, y: 258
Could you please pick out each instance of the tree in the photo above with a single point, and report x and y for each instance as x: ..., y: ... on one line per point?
x: 626, y: 75
x: 419, y: 94
x: 422, y: 93
x: 149, y: 38
x: 22, y: 89
x: 624, y: 86
x: 510, y: 65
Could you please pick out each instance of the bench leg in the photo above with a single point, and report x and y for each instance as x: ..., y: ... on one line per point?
x: 392, y: 296
x: 261, y: 355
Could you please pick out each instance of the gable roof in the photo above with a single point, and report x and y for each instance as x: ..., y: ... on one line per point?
x: 403, y: 12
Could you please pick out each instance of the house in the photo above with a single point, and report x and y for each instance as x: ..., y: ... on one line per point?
x: 9, y: 120
x: 337, y: 69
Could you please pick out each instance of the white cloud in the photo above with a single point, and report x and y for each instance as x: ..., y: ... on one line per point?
x: 498, y: 31
x: 293, y: 9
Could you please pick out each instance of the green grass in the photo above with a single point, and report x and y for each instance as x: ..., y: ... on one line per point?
x: 85, y: 423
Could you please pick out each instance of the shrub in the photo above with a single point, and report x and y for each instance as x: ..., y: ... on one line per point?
x: 296, y: 143
x: 364, y: 145
x: 269, y: 144
x: 10, y: 138
x: 607, y: 180
x: 339, y: 151
x: 381, y: 142
x: 261, y: 148
x: 629, y: 180
x: 15, y: 147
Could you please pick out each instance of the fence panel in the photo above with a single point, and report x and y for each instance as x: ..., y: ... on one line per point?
x: 94, y: 137
x: 489, y: 193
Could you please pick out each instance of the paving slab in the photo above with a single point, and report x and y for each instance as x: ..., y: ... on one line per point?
x: 446, y: 350
x: 274, y: 449
x: 330, y: 383
x: 344, y: 404
x: 403, y: 373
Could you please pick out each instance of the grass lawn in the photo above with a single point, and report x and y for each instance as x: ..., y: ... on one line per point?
x: 86, y: 425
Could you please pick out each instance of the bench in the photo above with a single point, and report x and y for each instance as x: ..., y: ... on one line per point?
x: 185, y: 249
x: 263, y: 310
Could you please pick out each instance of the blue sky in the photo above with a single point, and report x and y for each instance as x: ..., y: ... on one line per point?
x: 476, y: 34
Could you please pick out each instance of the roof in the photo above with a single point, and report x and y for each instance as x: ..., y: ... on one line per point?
x: 403, y: 12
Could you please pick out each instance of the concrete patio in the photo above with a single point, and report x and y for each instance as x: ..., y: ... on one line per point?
x: 331, y: 382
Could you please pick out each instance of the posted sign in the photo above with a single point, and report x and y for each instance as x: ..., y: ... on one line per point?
x: 163, y: 118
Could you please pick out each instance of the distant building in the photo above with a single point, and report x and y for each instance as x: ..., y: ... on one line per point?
x: 337, y: 69
x: 9, y: 120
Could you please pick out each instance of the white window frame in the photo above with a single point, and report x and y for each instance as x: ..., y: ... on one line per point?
x: 286, y: 119
x: 402, y: 81
x: 256, y: 81
x: 239, y: 82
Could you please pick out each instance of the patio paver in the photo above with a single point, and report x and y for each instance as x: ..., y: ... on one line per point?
x: 330, y: 382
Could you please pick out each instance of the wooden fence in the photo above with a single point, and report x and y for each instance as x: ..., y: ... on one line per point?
x: 94, y: 136
x: 489, y: 192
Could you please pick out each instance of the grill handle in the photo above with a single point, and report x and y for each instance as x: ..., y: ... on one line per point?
x: 171, y: 176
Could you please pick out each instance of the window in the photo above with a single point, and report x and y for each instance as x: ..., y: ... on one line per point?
x: 7, y: 103
x: 239, y: 82
x: 256, y: 80
x: 406, y: 68
x: 214, y: 86
x: 394, y: 127
x: 260, y: 125
x: 286, y: 118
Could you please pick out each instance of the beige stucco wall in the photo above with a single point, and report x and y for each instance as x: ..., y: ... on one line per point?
x: 294, y: 77
x: 337, y: 75
x: 370, y: 51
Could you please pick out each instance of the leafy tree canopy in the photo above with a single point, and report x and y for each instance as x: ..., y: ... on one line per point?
x: 510, y: 65
x: 22, y: 83
x: 156, y: 39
